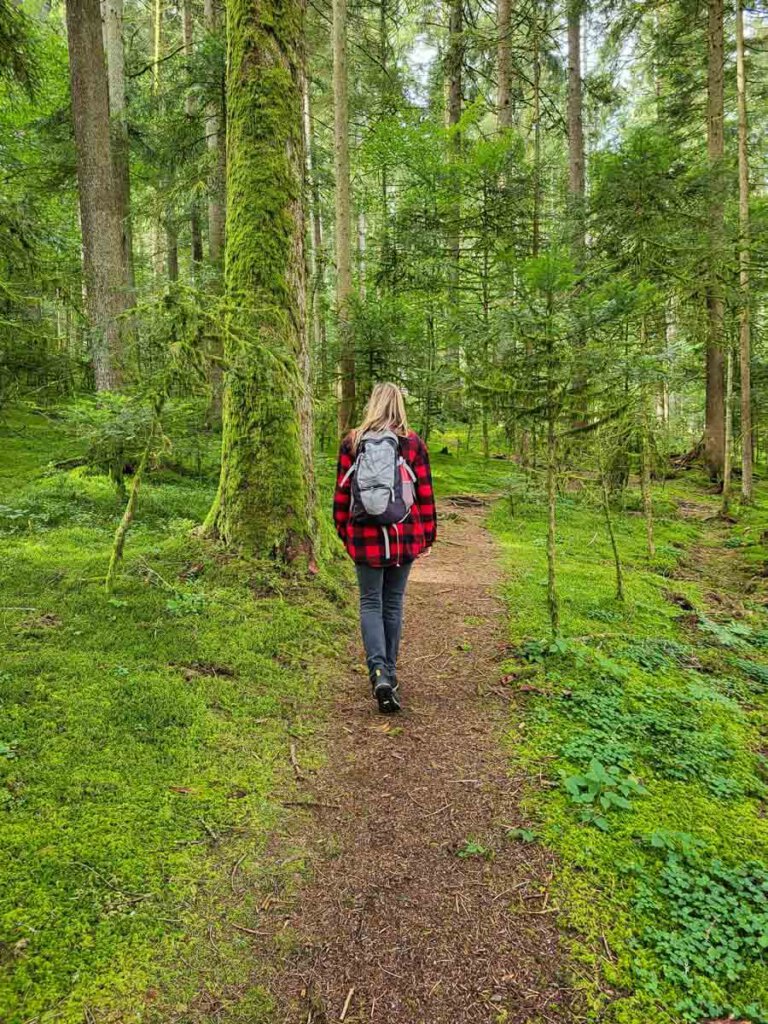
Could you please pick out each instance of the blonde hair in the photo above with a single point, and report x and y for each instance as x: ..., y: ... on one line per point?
x: 385, y: 411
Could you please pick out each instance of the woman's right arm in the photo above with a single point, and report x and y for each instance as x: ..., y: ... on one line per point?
x: 343, y: 492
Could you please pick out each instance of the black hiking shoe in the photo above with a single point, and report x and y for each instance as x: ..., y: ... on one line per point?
x: 387, y: 696
x: 385, y: 691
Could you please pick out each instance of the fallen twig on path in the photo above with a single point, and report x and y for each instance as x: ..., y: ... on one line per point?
x: 347, y: 1002
x: 235, y: 869
x: 294, y: 761
x: 242, y: 928
x: 309, y: 803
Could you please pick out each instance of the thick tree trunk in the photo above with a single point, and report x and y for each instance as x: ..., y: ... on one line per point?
x: 100, y: 206
x: 745, y: 355
x: 112, y: 13
x: 714, y: 430
x: 575, y: 130
x: 343, y: 216
x: 504, y: 110
x: 215, y: 135
x: 264, y: 503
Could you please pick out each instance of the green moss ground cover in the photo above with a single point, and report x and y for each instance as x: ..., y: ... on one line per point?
x: 645, y: 723
x: 144, y: 743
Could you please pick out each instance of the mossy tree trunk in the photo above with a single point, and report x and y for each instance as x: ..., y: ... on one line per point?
x: 264, y: 504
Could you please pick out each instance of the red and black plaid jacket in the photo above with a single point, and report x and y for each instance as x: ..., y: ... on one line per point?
x: 365, y: 544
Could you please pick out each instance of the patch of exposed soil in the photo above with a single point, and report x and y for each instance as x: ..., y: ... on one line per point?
x: 421, y: 908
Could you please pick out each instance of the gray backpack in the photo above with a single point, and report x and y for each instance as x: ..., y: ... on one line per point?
x: 382, y: 481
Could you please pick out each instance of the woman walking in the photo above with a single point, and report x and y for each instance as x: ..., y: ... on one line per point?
x: 384, y: 511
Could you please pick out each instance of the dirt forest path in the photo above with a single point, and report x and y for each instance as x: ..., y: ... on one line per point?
x: 395, y: 927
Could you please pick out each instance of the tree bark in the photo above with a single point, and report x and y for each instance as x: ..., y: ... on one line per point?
x: 384, y: 59
x: 714, y: 430
x: 727, y: 460
x: 264, y: 501
x: 343, y: 216
x: 316, y: 254
x: 454, y: 69
x: 115, y: 51
x: 536, y: 227
x: 159, y: 250
x: 745, y: 356
x: 504, y: 110
x: 195, y: 231
x: 215, y: 135
x: 575, y: 130
x: 103, y: 268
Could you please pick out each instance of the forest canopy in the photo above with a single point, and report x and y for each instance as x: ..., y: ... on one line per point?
x: 537, y: 217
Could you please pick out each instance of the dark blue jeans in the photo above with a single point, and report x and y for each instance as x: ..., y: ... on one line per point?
x: 381, y: 614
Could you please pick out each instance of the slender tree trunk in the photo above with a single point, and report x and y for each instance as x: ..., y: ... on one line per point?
x: 100, y: 202
x: 504, y: 109
x: 317, y: 255
x: 575, y: 130
x: 535, y: 241
x: 343, y: 216
x: 455, y: 61
x: 485, y: 286
x: 714, y: 431
x: 384, y: 59
x: 611, y: 534
x: 528, y: 435
x: 215, y: 137
x: 216, y: 142
x: 195, y: 231
x: 171, y: 247
x: 454, y: 69
x: 121, y: 533
x: 158, y: 246
x: 745, y: 356
x: 728, y: 460
x: 264, y: 501
x: 362, y: 243
x: 645, y: 480
x: 553, y: 603
x: 113, y: 39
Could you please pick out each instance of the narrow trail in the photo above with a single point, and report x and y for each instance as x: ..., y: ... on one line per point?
x: 421, y: 934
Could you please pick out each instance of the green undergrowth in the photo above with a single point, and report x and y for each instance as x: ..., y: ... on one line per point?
x: 645, y: 722
x: 145, y: 743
